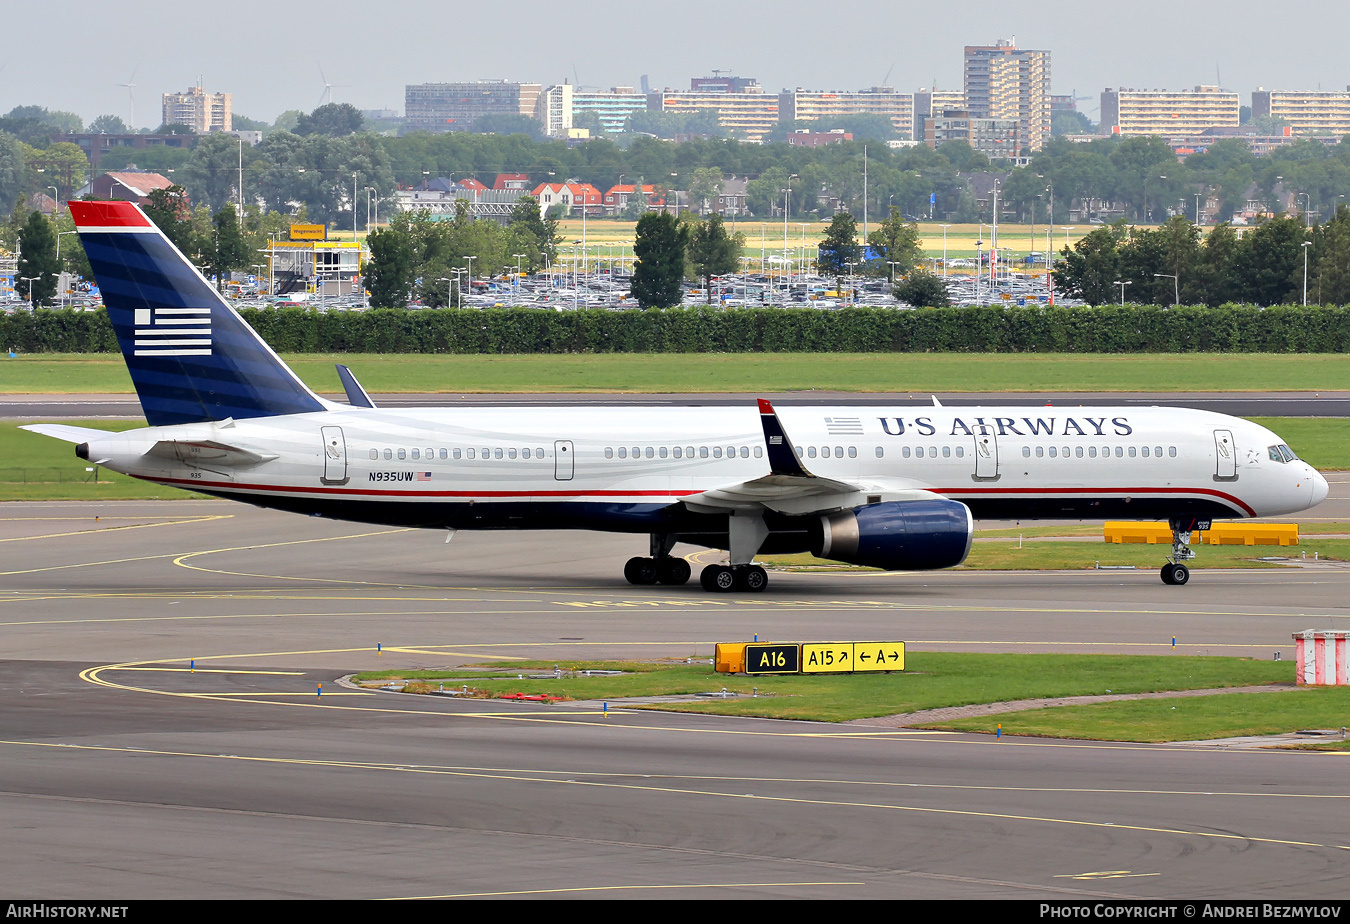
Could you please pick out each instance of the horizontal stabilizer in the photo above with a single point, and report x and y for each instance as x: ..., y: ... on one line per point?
x: 67, y: 433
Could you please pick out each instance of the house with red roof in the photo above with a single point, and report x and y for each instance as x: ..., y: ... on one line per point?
x: 129, y: 186
x: 616, y: 200
x: 512, y: 182
x: 573, y: 196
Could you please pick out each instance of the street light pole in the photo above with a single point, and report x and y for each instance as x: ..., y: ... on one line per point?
x: 1306, y: 245
x: 944, y: 249
x: 1176, y: 287
x: 1122, y: 291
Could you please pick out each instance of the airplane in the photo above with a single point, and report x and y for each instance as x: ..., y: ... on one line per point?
x: 897, y: 488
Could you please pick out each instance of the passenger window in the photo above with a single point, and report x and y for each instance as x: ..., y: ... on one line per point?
x: 853, y: 452
x: 679, y: 453
x: 810, y: 452
x: 903, y: 452
x: 1040, y: 452
x: 445, y: 454
x: 881, y: 452
x: 511, y: 453
x: 960, y: 452
x: 374, y: 453
x: 417, y: 453
x: 456, y: 453
x: 1144, y: 452
x: 651, y: 453
x: 472, y: 453
x: 403, y: 453
x: 717, y: 452
x: 1172, y: 451
x: 745, y: 452
x: 431, y: 453
x: 918, y: 452
x: 759, y: 452
x: 1157, y: 451
x: 946, y: 452
x: 525, y: 453
x: 663, y: 452
x: 1053, y: 454
x: 623, y: 452
x: 1092, y: 452
x: 1078, y: 452
x: 1026, y: 452
x: 497, y: 453
x: 609, y: 452
x: 703, y: 452
x: 388, y: 454
x: 1120, y: 452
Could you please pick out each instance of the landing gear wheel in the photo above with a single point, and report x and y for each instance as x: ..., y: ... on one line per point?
x: 752, y: 579
x: 640, y: 571
x: 673, y: 571
x: 718, y: 578
x: 1175, y: 575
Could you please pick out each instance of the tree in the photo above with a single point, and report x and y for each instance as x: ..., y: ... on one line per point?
x: 212, y: 172
x: 537, y: 238
x: 659, y: 247
x: 894, y: 241
x: 389, y: 272
x: 1089, y: 271
x: 63, y: 163
x: 108, y: 125
x: 922, y: 289
x: 13, y: 172
x: 840, y: 246
x: 509, y: 123
x: 704, y: 186
x: 227, y: 252
x: 37, y: 261
x: 337, y: 120
x: 713, y: 252
x: 636, y: 206
x: 170, y: 211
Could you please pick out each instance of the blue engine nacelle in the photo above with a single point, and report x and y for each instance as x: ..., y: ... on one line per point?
x: 898, y: 535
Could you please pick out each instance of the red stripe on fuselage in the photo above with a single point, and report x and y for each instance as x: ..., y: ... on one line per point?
x: 1091, y: 492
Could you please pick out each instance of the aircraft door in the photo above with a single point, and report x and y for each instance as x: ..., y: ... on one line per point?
x: 562, y: 460
x: 334, y: 456
x: 986, y: 455
x: 1225, y: 456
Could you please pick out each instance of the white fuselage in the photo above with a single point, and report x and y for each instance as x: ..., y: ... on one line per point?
x: 618, y: 467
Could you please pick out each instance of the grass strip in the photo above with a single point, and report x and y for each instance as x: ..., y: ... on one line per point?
x: 931, y: 680
x: 920, y: 373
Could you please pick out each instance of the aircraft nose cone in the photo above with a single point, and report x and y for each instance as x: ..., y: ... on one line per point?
x: 1319, y: 488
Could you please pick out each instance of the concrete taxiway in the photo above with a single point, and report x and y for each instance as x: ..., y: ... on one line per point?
x: 163, y: 733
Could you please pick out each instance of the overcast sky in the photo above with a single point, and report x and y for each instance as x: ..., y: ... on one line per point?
x: 270, y: 54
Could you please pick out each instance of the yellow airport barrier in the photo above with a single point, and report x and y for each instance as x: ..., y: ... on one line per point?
x: 1118, y: 531
x: 729, y: 658
x: 1252, y: 534
x: 1152, y: 533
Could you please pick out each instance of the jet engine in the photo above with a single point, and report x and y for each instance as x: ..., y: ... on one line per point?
x: 898, y: 535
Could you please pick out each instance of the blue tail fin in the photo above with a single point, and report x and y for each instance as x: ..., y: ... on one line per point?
x: 191, y: 357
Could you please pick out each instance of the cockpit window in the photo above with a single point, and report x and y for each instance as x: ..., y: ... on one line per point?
x: 1275, y: 454
x: 1281, y: 453
x: 1287, y: 453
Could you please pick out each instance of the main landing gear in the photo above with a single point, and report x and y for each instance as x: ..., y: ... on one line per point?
x: 746, y: 534
x: 661, y: 568
x: 1175, y: 571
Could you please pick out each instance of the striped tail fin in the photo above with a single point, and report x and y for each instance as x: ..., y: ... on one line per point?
x: 191, y: 356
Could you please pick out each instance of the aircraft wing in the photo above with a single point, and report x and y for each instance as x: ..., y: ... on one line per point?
x: 791, y: 489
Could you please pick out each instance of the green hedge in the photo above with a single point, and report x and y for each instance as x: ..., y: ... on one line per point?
x: 1011, y: 329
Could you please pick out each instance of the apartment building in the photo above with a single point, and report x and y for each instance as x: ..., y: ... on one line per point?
x: 826, y: 105
x: 455, y: 107
x: 1005, y: 82
x: 748, y: 113
x: 1307, y: 112
x: 1135, y: 113
x: 200, y: 111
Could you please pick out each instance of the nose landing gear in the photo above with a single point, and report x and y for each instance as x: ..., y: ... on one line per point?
x: 1175, y: 572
